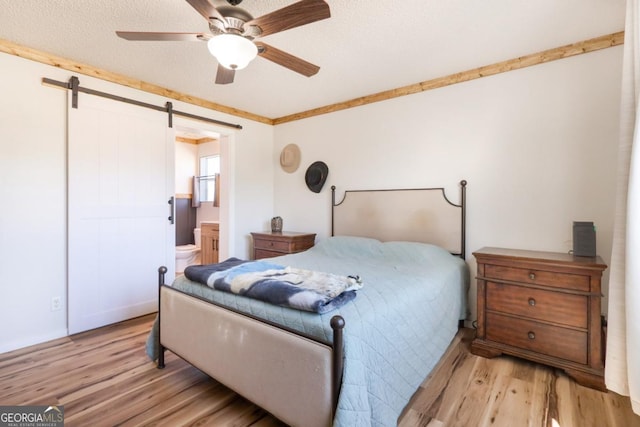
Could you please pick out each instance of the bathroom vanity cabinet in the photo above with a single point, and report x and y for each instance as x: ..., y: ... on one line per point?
x: 209, y: 242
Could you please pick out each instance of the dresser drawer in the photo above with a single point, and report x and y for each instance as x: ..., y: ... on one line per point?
x: 554, y: 341
x: 556, y: 307
x: 272, y: 245
x: 538, y: 277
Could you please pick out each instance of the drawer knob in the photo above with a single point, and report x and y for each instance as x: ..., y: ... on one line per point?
x: 532, y: 276
x: 531, y: 335
x: 532, y: 302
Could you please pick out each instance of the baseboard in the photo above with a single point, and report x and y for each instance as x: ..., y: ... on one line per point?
x: 33, y: 340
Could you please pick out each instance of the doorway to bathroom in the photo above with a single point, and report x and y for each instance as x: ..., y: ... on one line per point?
x: 203, y: 179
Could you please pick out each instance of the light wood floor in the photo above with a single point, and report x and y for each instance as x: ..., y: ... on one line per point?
x: 468, y: 390
x: 103, y: 378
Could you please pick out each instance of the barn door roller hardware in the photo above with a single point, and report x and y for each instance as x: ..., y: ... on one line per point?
x: 74, y: 85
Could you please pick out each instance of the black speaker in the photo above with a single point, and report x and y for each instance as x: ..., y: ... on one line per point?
x: 584, y: 239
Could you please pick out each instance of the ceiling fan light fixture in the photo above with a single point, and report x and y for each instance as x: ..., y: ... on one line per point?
x: 232, y: 50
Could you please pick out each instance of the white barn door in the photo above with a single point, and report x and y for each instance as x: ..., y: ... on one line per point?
x: 120, y: 178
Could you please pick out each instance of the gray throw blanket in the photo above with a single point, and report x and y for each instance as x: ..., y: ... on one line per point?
x: 300, y: 289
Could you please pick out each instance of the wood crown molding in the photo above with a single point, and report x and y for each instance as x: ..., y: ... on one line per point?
x: 193, y: 140
x: 561, y: 52
x: 11, y: 48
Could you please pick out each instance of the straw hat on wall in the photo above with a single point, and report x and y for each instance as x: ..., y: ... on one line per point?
x: 290, y: 158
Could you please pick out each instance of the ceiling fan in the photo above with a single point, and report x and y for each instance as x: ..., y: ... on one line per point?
x: 234, y: 32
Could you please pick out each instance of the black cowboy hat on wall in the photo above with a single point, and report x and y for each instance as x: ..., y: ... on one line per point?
x: 316, y: 176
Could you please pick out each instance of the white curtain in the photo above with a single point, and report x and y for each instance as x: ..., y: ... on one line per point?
x: 622, y: 367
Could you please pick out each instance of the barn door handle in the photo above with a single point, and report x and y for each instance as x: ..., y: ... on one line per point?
x: 170, y: 218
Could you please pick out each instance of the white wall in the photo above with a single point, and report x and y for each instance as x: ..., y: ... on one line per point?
x: 33, y: 193
x: 186, y: 166
x: 254, y: 200
x: 34, y: 217
x: 537, y: 146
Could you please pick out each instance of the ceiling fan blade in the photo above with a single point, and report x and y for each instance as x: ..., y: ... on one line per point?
x: 224, y: 75
x: 151, y: 36
x: 206, y: 9
x: 300, y: 13
x: 286, y: 60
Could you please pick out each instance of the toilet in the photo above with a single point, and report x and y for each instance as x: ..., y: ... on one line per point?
x: 187, y: 255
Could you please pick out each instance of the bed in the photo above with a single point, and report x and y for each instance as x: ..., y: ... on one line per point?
x: 357, y: 365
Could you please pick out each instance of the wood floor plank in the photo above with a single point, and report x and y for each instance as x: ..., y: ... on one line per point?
x: 22, y: 358
x: 619, y: 412
x: 90, y: 339
x: 479, y: 396
x: 448, y: 399
x: 72, y: 372
x: 103, y: 377
x: 238, y: 412
x: 520, y: 396
x: 411, y: 417
x: 142, y: 375
x: 100, y: 404
x: 511, y: 404
x: 156, y: 412
x: 128, y: 404
x: 544, y: 396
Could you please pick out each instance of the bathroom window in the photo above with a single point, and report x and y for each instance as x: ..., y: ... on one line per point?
x: 209, y: 170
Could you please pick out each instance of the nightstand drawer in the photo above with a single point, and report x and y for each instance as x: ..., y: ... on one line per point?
x: 538, y: 277
x: 267, y: 245
x: 261, y: 253
x: 272, y: 245
x: 555, y: 307
x: 555, y: 341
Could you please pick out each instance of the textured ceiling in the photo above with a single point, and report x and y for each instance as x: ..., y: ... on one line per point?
x: 367, y: 46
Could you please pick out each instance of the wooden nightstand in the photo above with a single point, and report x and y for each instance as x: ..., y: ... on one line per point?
x: 542, y: 306
x: 267, y: 245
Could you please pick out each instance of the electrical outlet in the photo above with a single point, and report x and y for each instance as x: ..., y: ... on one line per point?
x: 56, y: 303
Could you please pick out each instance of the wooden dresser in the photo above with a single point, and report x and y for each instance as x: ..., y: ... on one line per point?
x: 267, y: 245
x: 544, y: 307
x: 209, y: 242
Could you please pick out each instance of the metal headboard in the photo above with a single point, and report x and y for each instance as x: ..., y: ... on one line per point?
x: 417, y: 214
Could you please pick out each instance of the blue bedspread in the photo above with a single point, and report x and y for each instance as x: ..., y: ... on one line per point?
x: 301, y: 289
x: 396, y: 330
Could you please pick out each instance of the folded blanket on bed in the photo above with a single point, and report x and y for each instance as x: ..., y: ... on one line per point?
x: 276, y: 284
